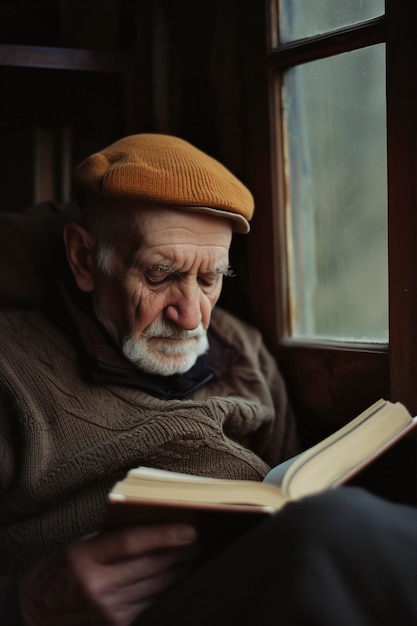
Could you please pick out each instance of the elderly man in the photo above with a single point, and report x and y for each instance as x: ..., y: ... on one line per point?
x: 127, y: 362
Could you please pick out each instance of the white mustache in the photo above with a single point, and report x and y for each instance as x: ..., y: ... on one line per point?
x: 162, y: 329
x: 153, y: 352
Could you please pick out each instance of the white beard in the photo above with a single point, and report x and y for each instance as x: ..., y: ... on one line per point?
x: 156, y: 353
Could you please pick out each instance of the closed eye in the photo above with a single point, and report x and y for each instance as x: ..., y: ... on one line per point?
x: 156, y: 274
x: 207, y: 280
x: 211, y: 278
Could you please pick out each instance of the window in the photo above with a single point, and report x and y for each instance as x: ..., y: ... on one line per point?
x: 334, y: 132
x: 298, y: 19
x: 342, y: 231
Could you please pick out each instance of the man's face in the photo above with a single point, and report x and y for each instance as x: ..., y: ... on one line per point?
x: 167, y: 276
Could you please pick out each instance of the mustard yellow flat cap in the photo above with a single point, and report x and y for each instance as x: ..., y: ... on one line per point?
x: 162, y: 169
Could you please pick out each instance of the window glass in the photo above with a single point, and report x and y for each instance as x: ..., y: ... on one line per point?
x: 335, y: 151
x: 305, y: 18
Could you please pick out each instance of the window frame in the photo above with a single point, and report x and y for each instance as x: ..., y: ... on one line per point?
x: 329, y: 382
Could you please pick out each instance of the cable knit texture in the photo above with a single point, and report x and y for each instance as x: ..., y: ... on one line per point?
x: 64, y: 442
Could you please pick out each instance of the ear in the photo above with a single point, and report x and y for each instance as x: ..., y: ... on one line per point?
x: 81, y: 254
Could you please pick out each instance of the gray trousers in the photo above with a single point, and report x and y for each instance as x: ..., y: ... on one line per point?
x: 342, y: 558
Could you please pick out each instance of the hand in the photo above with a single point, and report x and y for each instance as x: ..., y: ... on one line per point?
x: 107, y: 578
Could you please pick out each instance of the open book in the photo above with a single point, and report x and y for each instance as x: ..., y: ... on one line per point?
x: 151, y: 495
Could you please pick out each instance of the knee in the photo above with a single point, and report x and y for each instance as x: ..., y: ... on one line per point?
x: 336, y: 513
x: 344, y: 523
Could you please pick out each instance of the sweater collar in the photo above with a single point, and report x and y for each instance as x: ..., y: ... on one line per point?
x: 104, y: 363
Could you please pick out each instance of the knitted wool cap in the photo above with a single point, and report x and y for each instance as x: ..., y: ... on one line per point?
x: 161, y: 169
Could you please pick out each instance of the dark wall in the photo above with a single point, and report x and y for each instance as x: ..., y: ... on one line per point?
x: 189, y: 78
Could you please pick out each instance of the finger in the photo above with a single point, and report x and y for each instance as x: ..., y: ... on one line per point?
x: 133, y: 599
x: 132, y: 541
x: 152, y: 564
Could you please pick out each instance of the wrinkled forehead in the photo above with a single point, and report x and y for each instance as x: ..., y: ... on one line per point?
x: 157, y: 221
x: 168, y: 225
x: 166, y: 234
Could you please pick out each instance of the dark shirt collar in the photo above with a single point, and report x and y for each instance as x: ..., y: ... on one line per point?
x: 104, y: 363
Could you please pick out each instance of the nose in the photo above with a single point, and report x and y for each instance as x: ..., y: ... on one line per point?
x: 185, y: 308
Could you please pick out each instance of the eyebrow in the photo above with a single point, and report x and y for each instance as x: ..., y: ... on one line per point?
x: 225, y: 270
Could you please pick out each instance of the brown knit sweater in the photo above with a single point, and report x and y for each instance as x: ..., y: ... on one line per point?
x: 65, y: 441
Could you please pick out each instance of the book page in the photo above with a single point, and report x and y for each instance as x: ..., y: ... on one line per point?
x: 325, y: 464
x: 275, y: 476
x: 149, y: 484
x: 153, y: 473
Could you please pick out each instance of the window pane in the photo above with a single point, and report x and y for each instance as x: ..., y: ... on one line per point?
x: 335, y: 128
x: 305, y: 18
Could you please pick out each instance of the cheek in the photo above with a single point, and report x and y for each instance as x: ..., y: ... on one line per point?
x: 208, y: 302
x: 146, y: 306
x: 115, y: 303
x: 118, y: 300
